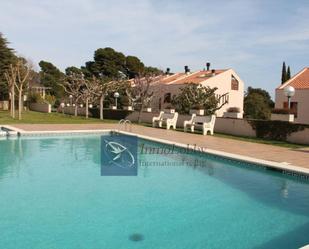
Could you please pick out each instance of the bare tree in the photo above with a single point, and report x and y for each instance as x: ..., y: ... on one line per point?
x: 100, y: 89
x: 23, y: 75
x: 88, y: 94
x: 10, y: 75
x: 140, y: 92
x: 74, y: 85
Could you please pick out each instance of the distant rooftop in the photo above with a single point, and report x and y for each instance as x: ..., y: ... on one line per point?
x: 194, y: 77
x: 298, y: 81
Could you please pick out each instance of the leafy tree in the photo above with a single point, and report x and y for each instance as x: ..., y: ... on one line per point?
x: 262, y: 92
x: 193, y: 95
x: 152, y: 71
x: 73, y: 70
x: 51, y: 76
x: 134, y: 66
x: 109, y: 64
x: 257, y: 103
x: 256, y: 107
x: 283, y: 73
x: 7, y: 57
x: 91, y: 69
x: 288, y: 73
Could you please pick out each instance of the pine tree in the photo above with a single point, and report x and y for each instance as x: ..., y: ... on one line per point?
x: 6, y: 58
x: 284, y: 73
x: 288, y: 73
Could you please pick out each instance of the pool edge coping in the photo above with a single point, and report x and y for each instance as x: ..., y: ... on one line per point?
x: 266, y: 163
x: 269, y: 164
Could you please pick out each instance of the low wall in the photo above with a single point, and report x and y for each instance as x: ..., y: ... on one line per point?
x: 81, y: 111
x: 233, y: 126
x: 95, y: 112
x: 230, y: 126
x: 40, y: 107
x: 300, y: 137
x: 4, y: 105
x: 239, y: 127
x: 146, y: 117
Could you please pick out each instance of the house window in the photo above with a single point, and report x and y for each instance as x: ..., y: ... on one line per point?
x: 234, y: 83
x: 293, y: 107
x: 167, y: 98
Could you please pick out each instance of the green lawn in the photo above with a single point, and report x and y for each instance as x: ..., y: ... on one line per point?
x: 29, y: 117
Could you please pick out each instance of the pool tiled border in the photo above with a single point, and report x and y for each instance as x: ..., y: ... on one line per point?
x: 286, y: 169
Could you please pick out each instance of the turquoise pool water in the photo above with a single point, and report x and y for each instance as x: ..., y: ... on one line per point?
x: 52, y: 196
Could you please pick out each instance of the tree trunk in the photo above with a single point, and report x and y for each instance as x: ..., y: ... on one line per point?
x: 101, y: 107
x: 20, y: 103
x: 87, y: 106
x: 75, y: 110
x: 139, y: 120
x: 13, y: 102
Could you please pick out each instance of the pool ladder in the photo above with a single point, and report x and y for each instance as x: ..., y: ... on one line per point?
x: 6, y: 131
x: 126, y: 124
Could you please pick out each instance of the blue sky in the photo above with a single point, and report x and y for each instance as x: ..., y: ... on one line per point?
x: 251, y: 36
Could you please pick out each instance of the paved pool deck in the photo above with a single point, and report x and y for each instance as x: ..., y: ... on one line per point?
x: 296, y: 157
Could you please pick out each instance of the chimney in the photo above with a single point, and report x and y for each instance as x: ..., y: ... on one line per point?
x: 208, y: 65
x: 187, y: 70
x: 168, y: 71
x: 213, y: 72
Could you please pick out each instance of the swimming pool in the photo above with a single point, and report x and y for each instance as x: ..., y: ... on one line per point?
x: 52, y: 195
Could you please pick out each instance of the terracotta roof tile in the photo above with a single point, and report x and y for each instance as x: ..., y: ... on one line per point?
x: 298, y: 81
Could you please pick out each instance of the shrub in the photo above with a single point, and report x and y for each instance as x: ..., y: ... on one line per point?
x: 50, y: 99
x: 110, y: 114
x: 275, y: 130
x: 234, y: 109
x: 281, y: 111
x: 257, y: 104
x: 35, y: 98
x: 197, y: 107
x: 193, y: 94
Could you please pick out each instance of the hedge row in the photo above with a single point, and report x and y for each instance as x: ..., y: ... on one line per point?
x: 110, y: 114
x: 275, y: 130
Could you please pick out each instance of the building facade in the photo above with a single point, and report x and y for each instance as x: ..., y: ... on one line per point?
x: 226, y: 81
x: 300, y: 101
